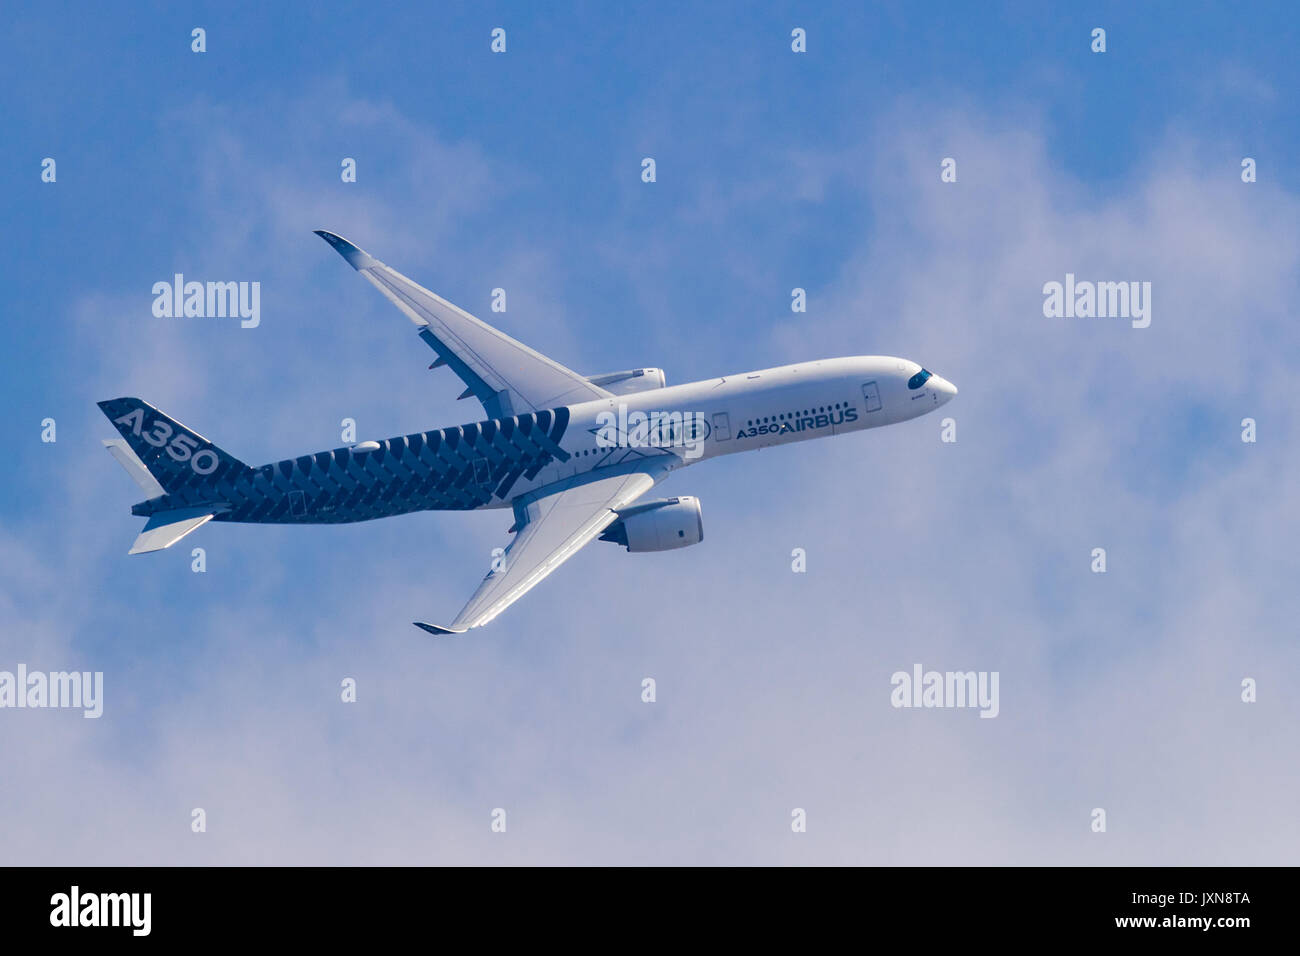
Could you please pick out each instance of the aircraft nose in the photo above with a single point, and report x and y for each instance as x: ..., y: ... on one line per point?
x: 945, y: 388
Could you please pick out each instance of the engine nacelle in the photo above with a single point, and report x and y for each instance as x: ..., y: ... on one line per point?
x: 630, y: 381
x: 659, y: 525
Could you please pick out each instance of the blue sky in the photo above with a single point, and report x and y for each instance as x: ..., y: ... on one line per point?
x: 775, y: 170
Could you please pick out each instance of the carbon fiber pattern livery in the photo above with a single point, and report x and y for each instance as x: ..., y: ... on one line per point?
x: 451, y: 469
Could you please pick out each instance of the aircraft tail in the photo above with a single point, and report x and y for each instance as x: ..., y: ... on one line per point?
x: 171, y: 454
x: 165, y: 458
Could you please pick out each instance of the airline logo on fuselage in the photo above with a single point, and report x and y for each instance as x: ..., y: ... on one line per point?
x: 807, y: 423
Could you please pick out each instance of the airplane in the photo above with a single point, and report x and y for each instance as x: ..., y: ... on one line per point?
x: 570, y: 454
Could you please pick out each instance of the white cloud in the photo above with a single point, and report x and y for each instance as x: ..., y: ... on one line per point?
x: 1118, y: 691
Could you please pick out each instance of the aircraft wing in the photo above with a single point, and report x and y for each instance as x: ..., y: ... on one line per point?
x: 555, y: 527
x: 507, y: 376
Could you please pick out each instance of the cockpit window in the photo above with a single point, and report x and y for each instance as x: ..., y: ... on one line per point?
x: 919, y: 379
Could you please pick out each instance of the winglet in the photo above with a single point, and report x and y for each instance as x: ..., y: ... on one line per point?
x: 357, y: 258
x: 437, y: 631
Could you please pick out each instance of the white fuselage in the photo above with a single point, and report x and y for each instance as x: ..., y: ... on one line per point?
x: 742, y: 412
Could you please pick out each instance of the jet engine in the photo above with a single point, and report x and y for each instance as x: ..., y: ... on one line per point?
x: 630, y: 381
x: 659, y: 525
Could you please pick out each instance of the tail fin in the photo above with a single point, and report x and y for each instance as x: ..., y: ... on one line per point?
x: 161, y: 454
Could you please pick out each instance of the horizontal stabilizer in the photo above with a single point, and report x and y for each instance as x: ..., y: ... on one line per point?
x: 167, y: 527
x: 119, y: 449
